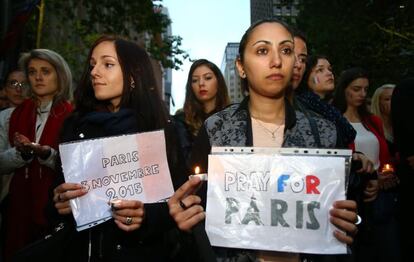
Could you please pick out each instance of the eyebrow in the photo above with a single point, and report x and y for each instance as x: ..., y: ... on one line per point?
x: 269, y: 42
x: 108, y: 56
x: 208, y: 73
x: 104, y: 56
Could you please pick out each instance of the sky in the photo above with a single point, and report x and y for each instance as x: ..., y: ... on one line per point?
x: 206, y: 27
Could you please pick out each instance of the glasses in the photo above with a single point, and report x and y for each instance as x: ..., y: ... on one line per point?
x: 14, y: 84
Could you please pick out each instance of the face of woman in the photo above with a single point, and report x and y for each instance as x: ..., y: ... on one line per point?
x: 301, y: 53
x: 16, y: 87
x: 204, y: 84
x: 43, y: 79
x: 356, y: 92
x: 106, y: 72
x: 385, y: 101
x: 268, y: 60
x: 321, y: 78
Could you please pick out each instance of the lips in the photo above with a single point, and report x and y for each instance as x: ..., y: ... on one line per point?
x: 275, y: 77
x: 97, y: 84
x: 203, y: 92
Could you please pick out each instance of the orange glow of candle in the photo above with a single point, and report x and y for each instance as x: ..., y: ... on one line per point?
x: 203, y: 176
x: 387, y: 168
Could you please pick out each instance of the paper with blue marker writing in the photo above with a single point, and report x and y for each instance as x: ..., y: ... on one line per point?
x: 132, y: 167
x: 274, y: 202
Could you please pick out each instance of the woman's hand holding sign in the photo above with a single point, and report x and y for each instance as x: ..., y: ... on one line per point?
x: 65, y: 192
x: 128, y: 214
x: 344, y: 216
x: 185, y: 207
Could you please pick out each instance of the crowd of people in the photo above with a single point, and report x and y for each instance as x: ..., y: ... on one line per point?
x: 292, y: 99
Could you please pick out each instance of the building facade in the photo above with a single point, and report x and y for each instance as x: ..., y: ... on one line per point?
x: 285, y: 10
x: 228, y: 68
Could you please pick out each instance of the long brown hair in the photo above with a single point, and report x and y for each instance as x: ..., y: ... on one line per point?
x: 193, y: 109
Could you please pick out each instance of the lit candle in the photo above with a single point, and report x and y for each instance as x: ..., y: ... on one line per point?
x: 387, y: 169
x: 202, y: 176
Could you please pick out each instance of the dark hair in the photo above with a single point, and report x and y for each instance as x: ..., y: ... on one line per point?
x: 7, y: 75
x: 311, y: 62
x: 245, y: 39
x: 339, y: 100
x: 193, y: 109
x: 144, y: 99
x: 299, y: 34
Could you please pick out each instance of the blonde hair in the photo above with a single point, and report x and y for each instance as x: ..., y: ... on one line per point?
x: 375, y: 105
x: 64, y: 75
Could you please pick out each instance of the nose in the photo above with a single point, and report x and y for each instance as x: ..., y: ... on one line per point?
x: 363, y: 93
x: 94, y: 71
x: 38, y: 76
x: 201, y: 82
x: 275, y: 61
x: 298, y: 63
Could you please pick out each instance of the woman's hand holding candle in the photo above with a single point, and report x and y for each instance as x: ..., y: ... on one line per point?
x: 184, y: 205
x: 387, y: 178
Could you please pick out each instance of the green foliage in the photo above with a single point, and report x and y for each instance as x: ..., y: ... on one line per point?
x: 375, y: 34
x: 70, y: 27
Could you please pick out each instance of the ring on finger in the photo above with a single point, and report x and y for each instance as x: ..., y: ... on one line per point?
x: 359, y: 220
x: 182, y: 205
x: 128, y: 221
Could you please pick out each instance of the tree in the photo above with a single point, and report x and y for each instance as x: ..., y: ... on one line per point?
x: 375, y: 34
x: 71, y: 26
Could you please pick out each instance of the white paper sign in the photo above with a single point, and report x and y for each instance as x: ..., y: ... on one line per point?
x: 273, y: 202
x: 132, y: 167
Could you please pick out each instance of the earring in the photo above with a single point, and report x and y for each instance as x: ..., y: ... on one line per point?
x: 132, y: 84
x: 243, y: 74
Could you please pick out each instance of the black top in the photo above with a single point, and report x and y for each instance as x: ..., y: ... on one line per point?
x: 107, y: 241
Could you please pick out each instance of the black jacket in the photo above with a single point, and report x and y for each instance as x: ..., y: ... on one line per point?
x: 106, y: 241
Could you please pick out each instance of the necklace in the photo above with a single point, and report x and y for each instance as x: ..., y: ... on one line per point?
x: 273, y: 133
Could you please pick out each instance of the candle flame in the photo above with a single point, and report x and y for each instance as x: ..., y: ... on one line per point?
x: 387, y: 166
x: 196, y: 170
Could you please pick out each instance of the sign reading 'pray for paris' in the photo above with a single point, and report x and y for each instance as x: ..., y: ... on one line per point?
x: 132, y: 167
x: 274, y: 202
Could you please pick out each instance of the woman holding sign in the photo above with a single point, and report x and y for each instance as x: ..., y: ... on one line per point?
x: 264, y: 118
x: 118, y: 95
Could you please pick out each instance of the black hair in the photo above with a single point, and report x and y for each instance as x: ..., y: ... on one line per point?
x: 311, y: 62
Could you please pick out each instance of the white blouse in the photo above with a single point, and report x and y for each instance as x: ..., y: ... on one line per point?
x: 367, y: 143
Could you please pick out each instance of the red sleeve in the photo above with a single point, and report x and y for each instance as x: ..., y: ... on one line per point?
x: 384, y: 155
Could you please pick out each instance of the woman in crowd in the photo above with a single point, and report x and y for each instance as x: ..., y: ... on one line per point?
x: 118, y: 95
x: 378, y: 238
x: 319, y: 77
x: 308, y: 95
x: 264, y: 118
x: 15, y: 87
x: 206, y: 94
x: 31, y: 146
x: 381, y: 107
